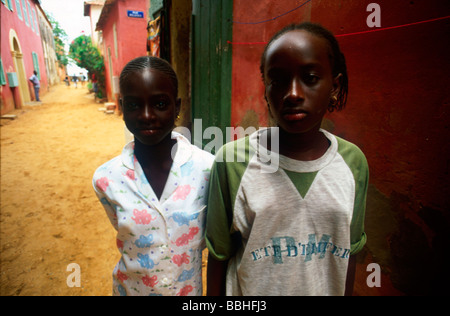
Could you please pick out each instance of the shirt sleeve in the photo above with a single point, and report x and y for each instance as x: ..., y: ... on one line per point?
x: 106, y: 203
x: 358, y: 236
x: 219, y: 218
x: 218, y: 237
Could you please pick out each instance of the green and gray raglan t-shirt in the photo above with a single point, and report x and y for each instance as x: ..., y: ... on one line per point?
x: 289, y: 231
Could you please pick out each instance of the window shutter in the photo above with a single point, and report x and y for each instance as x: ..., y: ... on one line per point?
x: 36, y: 64
x: 2, y: 74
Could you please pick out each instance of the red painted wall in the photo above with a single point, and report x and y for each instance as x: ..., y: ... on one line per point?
x: 397, y: 113
x: 30, y: 41
x: 131, y: 37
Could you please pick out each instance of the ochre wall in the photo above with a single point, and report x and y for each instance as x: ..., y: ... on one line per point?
x: 180, y: 28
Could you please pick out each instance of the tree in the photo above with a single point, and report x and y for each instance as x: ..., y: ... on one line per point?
x: 87, y: 56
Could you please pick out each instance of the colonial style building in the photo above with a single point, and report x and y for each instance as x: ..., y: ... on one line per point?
x: 123, y: 29
x: 22, y: 52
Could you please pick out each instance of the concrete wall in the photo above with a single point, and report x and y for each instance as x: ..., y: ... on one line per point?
x: 397, y: 113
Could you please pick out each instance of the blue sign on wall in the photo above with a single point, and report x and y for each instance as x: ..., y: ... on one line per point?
x: 135, y: 14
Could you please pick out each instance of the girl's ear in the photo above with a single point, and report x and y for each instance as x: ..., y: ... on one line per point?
x: 334, y: 95
x: 120, y: 103
x: 336, y: 86
x: 177, y: 107
x: 268, y: 105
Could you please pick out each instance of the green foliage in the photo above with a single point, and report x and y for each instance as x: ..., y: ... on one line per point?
x: 60, y: 37
x: 87, y: 56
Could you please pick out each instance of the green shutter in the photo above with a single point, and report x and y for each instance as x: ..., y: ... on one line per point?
x: 155, y: 7
x: 36, y: 64
x: 25, y: 12
x: 31, y: 16
x: 211, y: 64
x: 9, y: 5
x: 2, y: 74
x: 19, y: 10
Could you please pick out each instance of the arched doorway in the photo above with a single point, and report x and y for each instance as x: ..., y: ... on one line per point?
x: 19, y: 68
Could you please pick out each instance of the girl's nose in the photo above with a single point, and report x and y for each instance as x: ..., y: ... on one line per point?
x: 147, y: 113
x: 295, y: 91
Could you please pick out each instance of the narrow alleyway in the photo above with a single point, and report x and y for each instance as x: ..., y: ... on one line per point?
x: 50, y: 216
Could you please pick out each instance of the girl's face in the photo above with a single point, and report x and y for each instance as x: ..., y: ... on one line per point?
x: 298, y: 80
x: 149, y: 105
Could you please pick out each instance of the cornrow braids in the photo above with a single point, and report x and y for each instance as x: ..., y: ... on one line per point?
x: 337, y: 58
x: 148, y: 62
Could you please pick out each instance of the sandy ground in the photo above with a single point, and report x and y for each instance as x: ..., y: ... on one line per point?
x: 50, y: 216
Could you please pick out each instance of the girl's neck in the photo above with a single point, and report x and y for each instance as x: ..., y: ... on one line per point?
x: 306, y: 146
x: 156, y: 155
x: 156, y: 162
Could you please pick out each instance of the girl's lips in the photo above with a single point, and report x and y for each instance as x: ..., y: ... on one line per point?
x: 149, y: 131
x: 294, y: 116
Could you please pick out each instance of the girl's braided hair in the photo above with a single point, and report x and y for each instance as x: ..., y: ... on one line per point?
x: 148, y: 62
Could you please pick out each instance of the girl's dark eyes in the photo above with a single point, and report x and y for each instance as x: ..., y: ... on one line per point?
x: 161, y: 104
x: 311, y: 79
x: 308, y: 79
x: 277, y: 81
x: 132, y: 104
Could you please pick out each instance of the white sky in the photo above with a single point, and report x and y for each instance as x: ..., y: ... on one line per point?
x: 70, y: 15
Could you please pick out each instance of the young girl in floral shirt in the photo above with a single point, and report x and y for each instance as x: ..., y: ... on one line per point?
x: 155, y: 192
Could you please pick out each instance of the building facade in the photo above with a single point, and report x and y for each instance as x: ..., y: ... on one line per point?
x: 48, y: 46
x: 123, y: 25
x: 21, y: 53
x: 93, y: 10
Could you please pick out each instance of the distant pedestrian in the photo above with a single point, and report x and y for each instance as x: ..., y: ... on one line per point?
x: 36, y: 85
x: 95, y: 86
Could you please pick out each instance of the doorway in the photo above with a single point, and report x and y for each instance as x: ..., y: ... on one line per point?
x: 19, y: 68
x: 211, y: 63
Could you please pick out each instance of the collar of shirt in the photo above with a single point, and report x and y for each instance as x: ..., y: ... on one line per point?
x: 258, y: 140
x: 136, y: 173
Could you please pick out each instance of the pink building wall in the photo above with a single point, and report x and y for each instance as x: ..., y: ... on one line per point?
x: 131, y: 39
x: 29, y: 40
